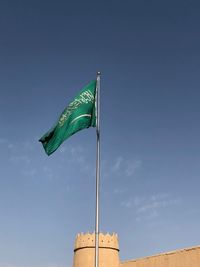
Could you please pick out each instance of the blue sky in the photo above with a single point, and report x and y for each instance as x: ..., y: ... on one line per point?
x: 149, y: 54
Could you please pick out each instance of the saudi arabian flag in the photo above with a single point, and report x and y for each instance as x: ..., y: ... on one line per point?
x: 79, y: 114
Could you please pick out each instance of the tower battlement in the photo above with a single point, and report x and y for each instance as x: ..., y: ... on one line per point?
x: 87, y: 240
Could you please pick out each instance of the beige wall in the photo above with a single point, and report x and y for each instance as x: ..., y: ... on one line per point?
x: 109, y: 254
x: 180, y: 258
x: 107, y: 257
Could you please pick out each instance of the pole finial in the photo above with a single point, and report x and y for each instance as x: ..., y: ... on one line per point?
x: 98, y: 73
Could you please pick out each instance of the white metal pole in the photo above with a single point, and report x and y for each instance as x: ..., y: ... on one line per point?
x: 97, y: 169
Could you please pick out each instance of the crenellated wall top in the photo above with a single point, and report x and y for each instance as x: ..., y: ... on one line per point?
x: 85, y: 240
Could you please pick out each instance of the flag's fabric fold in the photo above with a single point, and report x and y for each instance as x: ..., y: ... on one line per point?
x: 78, y: 115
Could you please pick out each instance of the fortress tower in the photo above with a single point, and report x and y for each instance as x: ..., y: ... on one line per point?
x: 84, y: 250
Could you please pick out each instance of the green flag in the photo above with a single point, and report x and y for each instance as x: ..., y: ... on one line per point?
x: 79, y: 114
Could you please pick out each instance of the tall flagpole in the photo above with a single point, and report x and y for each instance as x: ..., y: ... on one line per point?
x: 97, y: 170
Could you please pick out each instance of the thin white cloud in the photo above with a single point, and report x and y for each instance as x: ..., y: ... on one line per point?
x: 20, y: 159
x: 122, y: 167
x: 3, y: 141
x: 10, y: 146
x: 23, y: 157
x: 127, y: 203
x: 150, y: 207
x: 8, y: 265
x: 132, y: 166
x: 28, y: 145
x: 7, y: 143
x: 20, y: 155
x: 62, y: 149
x: 29, y: 173
x: 48, y: 172
x: 137, y: 201
x: 132, y: 202
x: 78, y: 156
x: 119, y: 191
x: 117, y: 164
x: 155, y: 204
